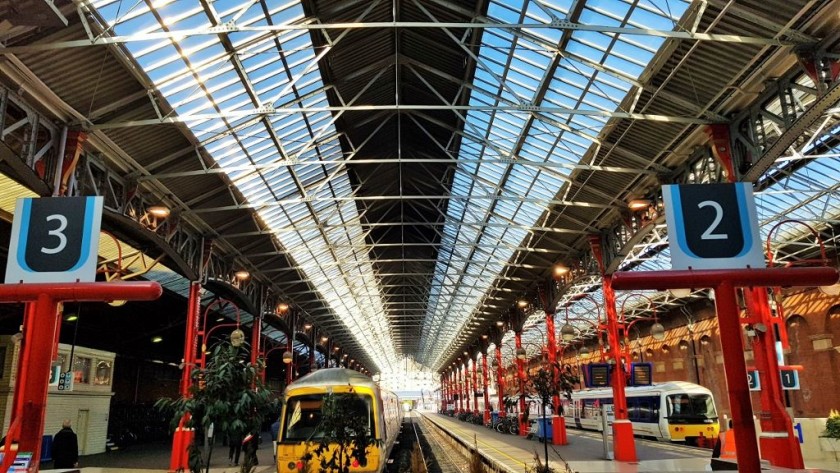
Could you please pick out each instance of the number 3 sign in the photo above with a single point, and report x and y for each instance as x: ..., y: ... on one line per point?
x: 712, y: 226
x: 54, y: 240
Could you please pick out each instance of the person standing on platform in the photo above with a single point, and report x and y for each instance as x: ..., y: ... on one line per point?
x: 65, y: 447
x: 235, y: 443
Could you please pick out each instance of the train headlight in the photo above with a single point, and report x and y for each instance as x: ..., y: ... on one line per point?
x: 292, y: 465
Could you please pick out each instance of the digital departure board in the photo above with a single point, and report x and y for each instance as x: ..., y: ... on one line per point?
x: 641, y: 374
x: 599, y: 375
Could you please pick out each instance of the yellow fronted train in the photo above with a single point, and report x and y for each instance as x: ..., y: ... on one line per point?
x: 301, y: 417
x: 675, y: 411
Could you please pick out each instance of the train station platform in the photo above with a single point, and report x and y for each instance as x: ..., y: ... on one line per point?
x: 584, y: 452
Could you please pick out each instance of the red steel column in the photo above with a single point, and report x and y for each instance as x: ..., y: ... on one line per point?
x: 624, y: 444
x: 485, y: 378
x: 467, y: 384
x: 778, y: 443
x: 500, y: 380
x: 474, y: 382
x: 255, y: 339
x: 520, y: 374
x: 190, y: 339
x: 42, y: 322
x: 178, y: 459
x: 38, y: 355
x: 552, y: 356
x: 735, y: 369
x: 724, y: 283
x: 460, y: 388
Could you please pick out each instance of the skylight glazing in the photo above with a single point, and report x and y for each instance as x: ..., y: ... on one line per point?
x: 517, y: 68
x: 216, y: 81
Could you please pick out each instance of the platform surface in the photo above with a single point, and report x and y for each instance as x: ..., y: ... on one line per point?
x: 585, y: 452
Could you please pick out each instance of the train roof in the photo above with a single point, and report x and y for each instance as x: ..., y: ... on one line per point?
x: 333, y: 377
x: 667, y: 386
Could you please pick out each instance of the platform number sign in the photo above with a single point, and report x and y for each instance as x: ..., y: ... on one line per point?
x: 753, y: 380
x: 790, y: 379
x: 54, y: 240
x: 712, y: 226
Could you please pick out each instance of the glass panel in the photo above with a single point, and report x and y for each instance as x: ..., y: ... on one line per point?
x: 690, y: 408
x: 103, y: 373
x: 304, y: 416
x: 81, y: 370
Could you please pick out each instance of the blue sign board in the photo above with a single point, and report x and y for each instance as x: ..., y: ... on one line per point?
x: 54, y: 240
x: 712, y: 226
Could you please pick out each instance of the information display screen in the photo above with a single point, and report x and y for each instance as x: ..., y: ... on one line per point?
x: 641, y: 374
x: 599, y: 375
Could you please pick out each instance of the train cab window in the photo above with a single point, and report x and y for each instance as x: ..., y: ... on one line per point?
x: 304, y: 417
x: 690, y: 408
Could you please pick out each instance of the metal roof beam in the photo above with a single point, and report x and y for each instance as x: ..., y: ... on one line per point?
x: 229, y: 27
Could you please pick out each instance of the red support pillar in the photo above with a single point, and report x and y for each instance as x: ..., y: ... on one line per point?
x: 190, y: 336
x: 41, y: 324
x: 178, y: 459
x: 443, y: 392
x: 724, y: 281
x: 460, y: 388
x: 474, y: 383
x: 500, y: 380
x: 467, y: 384
x: 255, y: 339
x: 484, y: 378
x: 520, y: 374
x: 778, y: 443
x: 735, y: 369
x: 624, y: 445
x: 552, y: 355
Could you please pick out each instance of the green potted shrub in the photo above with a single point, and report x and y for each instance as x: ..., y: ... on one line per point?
x: 830, y: 438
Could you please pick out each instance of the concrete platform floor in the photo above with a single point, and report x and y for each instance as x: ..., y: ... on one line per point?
x: 584, y: 454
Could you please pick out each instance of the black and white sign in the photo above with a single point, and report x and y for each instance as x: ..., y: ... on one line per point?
x: 753, y: 380
x: 790, y: 379
x: 65, y: 381
x: 712, y: 226
x: 54, y: 240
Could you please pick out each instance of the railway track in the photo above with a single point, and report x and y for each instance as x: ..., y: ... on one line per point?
x: 437, y: 452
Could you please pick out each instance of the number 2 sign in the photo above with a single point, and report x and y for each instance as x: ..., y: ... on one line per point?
x: 54, y: 240
x: 712, y: 226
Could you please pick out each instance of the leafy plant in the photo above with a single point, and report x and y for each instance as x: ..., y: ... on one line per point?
x: 228, y: 395
x: 832, y: 425
x: 346, y: 435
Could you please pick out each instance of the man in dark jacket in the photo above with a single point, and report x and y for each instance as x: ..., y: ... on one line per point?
x: 65, y: 447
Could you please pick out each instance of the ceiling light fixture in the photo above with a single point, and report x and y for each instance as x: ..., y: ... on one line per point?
x: 638, y: 204
x: 158, y: 211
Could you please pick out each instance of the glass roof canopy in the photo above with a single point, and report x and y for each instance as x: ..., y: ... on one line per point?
x: 515, y: 67
x: 200, y: 75
x: 216, y: 84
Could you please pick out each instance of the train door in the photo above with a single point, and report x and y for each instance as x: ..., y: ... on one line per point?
x: 662, y: 416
